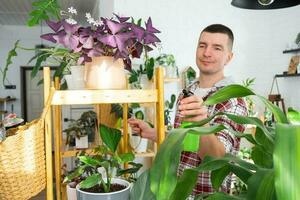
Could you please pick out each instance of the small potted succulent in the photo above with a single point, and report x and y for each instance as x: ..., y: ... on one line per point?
x: 104, y: 177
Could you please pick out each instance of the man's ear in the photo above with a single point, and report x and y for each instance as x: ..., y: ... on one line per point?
x: 229, y: 57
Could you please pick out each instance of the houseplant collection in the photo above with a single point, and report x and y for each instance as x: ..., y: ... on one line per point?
x: 275, y: 154
x: 101, y: 169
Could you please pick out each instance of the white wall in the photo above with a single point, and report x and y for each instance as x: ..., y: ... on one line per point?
x: 260, y: 38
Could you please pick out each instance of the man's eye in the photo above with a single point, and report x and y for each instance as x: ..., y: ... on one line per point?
x: 218, y: 49
x: 201, y: 46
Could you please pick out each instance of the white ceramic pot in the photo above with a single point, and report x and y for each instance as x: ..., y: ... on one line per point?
x: 118, y: 195
x: 82, y: 142
x: 71, y: 193
x: 105, y: 73
x: 145, y: 82
x: 75, y: 80
x: 138, y: 144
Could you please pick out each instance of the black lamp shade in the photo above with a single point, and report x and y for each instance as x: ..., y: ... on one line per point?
x: 255, y: 5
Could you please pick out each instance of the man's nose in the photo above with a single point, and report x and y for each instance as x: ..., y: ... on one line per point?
x: 207, y: 52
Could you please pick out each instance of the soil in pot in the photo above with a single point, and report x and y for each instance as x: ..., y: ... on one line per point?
x: 99, y: 189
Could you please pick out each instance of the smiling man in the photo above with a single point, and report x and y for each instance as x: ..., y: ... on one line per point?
x: 213, y: 53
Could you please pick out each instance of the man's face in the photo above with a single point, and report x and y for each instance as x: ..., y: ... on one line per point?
x: 213, y: 53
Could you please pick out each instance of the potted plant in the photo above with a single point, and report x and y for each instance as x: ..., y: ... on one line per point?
x: 101, y: 169
x: 106, y: 42
x: 275, y: 157
x: 168, y: 61
x: 82, y: 130
x: 141, y: 77
x: 105, y: 46
x: 168, y: 109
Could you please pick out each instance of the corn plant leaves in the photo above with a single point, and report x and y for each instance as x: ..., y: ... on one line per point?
x: 261, y: 157
x: 278, y: 114
x: 228, y: 92
x: 111, y: 137
x: 182, y: 189
x: 287, y: 161
x: 218, y: 175
x: 163, y: 173
x: 141, y: 188
x: 261, y: 185
x: 222, y: 196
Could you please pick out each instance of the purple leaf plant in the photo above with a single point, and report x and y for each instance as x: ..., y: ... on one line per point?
x: 114, y: 37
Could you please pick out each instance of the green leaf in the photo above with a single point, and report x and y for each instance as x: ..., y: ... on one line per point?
x: 222, y: 196
x: 41, y: 58
x: 228, y: 92
x: 163, y: 176
x: 89, y: 161
x: 184, y: 189
x: 287, y: 161
x: 278, y: 114
x: 11, y: 53
x: 141, y: 188
x: 242, y: 172
x: 77, y: 173
x: 261, y: 185
x: 261, y: 157
x: 149, y: 67
x: 126, y: 157
x: 110, y: 136
x: 164, y: 171
x: 91, y: 181
x: 218, y: 175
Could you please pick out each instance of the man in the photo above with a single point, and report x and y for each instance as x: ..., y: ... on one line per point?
x: 214, y: 52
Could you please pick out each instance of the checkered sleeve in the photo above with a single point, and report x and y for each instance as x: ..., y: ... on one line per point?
x: 236, y: 106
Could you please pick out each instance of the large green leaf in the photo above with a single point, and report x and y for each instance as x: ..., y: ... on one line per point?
x: 141, y: 188
x: 163, y: 176
x: 110, y: 136
x: 261, y: 157
x: 261, y: 185
x: 89, y: 161
x: 228, y: 92
x: 222, y: 196
x: 75, y: 174
x: 278, y: 114
x: 287, y: 161
x: 91, y: 181
x: 182, y: 189
x: 218, y: 175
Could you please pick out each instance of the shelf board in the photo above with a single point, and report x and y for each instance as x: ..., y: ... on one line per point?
x: 169, y: 80
x: 69, y: 97
x: 291, y: 50
x: 73, y: 152
x: 286, y: 75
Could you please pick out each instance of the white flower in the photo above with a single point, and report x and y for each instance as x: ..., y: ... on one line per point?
x: 72, y: 10
x: 71, y: 21
x: 88, y: 15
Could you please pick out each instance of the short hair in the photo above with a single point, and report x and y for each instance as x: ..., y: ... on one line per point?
x: 220, y: 28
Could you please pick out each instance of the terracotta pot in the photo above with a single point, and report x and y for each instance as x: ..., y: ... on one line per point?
x: 105, y: 73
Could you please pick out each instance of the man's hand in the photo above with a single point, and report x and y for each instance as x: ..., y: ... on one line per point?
x: 192, y: 110
x: 142, y: 128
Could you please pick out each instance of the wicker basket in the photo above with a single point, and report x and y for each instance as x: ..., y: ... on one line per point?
x: 22, y: 160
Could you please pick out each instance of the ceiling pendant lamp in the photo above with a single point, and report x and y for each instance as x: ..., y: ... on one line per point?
x: 264, y: 4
